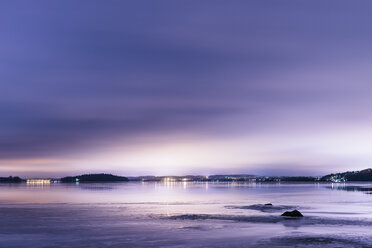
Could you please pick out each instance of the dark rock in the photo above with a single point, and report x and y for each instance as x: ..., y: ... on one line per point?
x: 268, y: 204
x: 294, y: 213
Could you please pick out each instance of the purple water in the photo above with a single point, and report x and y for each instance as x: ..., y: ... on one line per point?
x: 184, y: 215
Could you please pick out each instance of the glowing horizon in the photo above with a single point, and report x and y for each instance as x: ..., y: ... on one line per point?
x: 213, y: 88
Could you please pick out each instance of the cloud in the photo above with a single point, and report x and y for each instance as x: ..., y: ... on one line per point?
x: 86, y: 75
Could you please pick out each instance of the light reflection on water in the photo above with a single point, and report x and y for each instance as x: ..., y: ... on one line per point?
x: 171, y: 191
x: 315, y: 196
x: 152, y: 214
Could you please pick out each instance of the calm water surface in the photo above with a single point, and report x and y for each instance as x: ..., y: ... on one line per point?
x: 185, y: 215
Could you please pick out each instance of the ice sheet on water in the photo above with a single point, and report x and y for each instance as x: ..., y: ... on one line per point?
x: 321, y: 241
x: 264, y: 207
x: 273, y: 219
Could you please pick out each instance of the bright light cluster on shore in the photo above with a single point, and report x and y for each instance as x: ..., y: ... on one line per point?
x: 170, y: 180
x: 38, y: 181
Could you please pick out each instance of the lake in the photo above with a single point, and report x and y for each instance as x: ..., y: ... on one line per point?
x: 185, y: 214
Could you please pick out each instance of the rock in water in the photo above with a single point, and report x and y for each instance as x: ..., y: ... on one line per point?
x: 268, y: 204
x: 294, y: 213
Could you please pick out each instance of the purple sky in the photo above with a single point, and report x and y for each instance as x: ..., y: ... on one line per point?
x: 185, y: 87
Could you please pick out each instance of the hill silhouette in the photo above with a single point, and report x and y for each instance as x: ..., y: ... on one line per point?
x: 363, y: 175
x: 94, y: 178
x: 11, y: 179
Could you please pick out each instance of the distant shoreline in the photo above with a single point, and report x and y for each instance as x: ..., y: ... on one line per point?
x: 350, y: 176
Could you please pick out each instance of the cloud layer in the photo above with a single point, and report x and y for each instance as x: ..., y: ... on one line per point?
x: 91, y: 76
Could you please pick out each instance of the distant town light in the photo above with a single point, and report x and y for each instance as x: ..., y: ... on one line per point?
x: 38, y: 181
